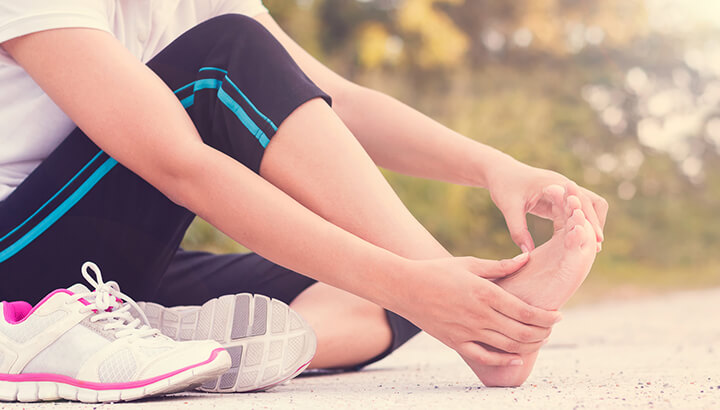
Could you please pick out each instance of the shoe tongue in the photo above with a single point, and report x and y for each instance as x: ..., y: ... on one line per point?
x: 78, y: 288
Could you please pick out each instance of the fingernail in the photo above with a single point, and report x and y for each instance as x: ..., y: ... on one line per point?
x: 558, y: 318
x: 545, y: 342
x: 599, y: 246
x: 516, y: 362
x: 524, y: 248
x: 521, y: 257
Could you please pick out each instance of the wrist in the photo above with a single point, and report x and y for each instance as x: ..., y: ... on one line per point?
x: 398, y: 285
x: 414, y: 281
x: 485, y: 163
x: 374, y: 274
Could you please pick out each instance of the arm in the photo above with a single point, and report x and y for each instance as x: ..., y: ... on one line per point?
x: 402, y: 139
x: 155, y: 138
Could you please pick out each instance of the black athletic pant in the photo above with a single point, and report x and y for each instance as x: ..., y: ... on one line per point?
x: 238, y: 85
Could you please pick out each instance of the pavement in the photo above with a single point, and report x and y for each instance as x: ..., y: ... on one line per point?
x: 661, y: 352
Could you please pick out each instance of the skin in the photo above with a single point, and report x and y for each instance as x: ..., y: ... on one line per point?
x: 372, y: 265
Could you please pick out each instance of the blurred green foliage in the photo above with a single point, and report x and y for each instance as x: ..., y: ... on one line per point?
x: 511, y: 74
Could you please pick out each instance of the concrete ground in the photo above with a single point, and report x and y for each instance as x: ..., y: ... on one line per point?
x: 654, y: 353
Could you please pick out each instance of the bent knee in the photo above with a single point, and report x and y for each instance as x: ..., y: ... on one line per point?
x: 236, y: 27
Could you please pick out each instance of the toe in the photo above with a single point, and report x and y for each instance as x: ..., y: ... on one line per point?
x: 590, y: 238
x: 574, y: 238
x: 571, y: 204
x: 581, y: 231
x: 576, y: 219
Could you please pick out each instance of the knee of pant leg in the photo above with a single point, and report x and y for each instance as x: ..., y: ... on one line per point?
x: 235, y: 27
x: 243, y: 44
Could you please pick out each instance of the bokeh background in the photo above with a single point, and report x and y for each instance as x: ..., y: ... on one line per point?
x: 623, y: 96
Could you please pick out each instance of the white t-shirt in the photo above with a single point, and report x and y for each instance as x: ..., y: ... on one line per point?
x: 31, y: 125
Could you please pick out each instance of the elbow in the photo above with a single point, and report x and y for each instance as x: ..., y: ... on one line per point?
x: 179, y: 191
x: 177, y: 176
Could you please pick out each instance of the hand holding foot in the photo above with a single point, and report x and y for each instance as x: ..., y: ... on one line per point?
x: 555, y: 271
x: 452, y: 300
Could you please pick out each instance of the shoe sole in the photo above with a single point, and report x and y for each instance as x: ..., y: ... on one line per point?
x: 36, y: 391
x: 268, y: 342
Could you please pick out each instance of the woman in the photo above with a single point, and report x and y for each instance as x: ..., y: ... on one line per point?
x: 226, y: 124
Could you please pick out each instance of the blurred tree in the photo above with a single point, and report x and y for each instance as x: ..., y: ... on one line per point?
x: 441, y: 43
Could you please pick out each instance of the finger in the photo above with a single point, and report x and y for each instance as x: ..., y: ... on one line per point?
x: 490, y: 269
x: 601, y: 206
x: 555, y: 196
x: 544, y: 207
x: 517, y: 225
x: 479, y: 354
x: 588, y: 209
x: 501, y: 342
x: 514, y: 308
x: 520, y: 332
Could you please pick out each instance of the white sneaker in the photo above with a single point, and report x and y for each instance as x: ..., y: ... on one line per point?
x: 81, y: 345
x: 269, y: 343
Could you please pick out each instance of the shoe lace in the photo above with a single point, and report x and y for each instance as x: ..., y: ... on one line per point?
x: 106, y: 301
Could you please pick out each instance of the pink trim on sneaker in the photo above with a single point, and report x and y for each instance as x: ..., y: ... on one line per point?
x: 15, y: 311
x: 57, y: 378
x: 13, y: 316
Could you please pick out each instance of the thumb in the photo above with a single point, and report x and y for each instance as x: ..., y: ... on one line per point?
x: 517, y: 225
x: 490, y: 269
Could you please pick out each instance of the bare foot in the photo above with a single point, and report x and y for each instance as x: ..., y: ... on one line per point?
x: 555, y: 271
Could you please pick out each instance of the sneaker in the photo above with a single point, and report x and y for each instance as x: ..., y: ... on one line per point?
x: 268, y: 342
x: 84, y: 345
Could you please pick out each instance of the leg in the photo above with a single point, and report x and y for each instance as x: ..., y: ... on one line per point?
x: 314, y: 158
x: 351, y: 331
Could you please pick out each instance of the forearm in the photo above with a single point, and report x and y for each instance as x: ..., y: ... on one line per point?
x: 402, y: 139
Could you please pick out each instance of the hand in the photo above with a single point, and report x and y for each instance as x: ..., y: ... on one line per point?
x: 518, y: 189
x: 453, y: 300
